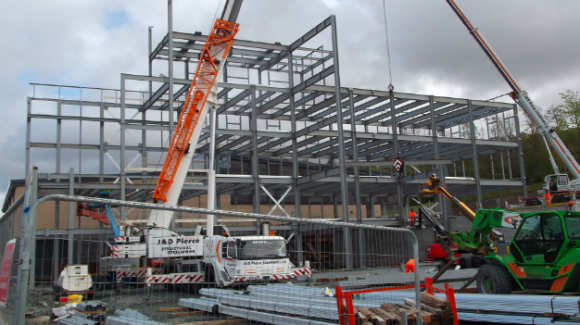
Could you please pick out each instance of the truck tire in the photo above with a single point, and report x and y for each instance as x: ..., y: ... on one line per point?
x: 209, y: 277
x: 465, y: 263
x: 193, y: 289
x: 493, y: 279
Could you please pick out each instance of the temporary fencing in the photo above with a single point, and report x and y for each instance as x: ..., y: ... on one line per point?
x: 346, y: 308
x: 321, y: 254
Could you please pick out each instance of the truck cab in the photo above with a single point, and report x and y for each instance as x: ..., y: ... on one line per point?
x: 246, y: 259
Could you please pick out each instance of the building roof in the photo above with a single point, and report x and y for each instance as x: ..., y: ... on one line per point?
x: 14, y: 183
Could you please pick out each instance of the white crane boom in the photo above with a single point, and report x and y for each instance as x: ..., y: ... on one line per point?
x: 522, y: 98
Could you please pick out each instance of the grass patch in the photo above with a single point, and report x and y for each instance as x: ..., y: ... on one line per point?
x: 532, y: 188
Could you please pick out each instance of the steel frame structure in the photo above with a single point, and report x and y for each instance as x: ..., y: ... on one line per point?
x: 278, y: 117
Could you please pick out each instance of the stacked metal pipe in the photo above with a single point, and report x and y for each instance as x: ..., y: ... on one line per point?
x: 76, y: 320
x: 91, y: 306
x: 532, y: 304
x: 513, y: 309
x: 203, y: 303
x: 130, y: 317
x: 308, y: 305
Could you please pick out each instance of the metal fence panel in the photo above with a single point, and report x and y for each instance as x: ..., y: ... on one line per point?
x: 138, y: 291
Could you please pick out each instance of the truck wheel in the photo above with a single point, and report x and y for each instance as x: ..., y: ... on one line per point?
x: 193, y: 289
x: 493, y: 279
x: 210, y: 276
x: 465, y: 263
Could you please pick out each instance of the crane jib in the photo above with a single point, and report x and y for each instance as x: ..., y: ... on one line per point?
x: 216, y: 49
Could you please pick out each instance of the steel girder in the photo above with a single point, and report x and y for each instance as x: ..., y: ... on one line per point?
x: 300, y: 102
x: 249, y: 145
x: 440, y: 108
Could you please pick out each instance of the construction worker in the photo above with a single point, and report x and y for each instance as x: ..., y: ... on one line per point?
x: 548, y: 197
x: 434, y: 181
x: 412, y: 215
x: 410, y: 266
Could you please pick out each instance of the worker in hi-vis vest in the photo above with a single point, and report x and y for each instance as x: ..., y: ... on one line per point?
x: 412, y: 216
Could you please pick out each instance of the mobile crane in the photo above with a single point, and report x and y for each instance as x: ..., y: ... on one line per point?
x: 211, y: 255
x: 558, y: 182
x: 543, y: 256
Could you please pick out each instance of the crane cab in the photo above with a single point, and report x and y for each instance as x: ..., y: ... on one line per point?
x: 557, y: 183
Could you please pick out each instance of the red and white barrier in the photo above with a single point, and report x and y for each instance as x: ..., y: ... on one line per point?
x: 187, y: 278
x: 302, y: 271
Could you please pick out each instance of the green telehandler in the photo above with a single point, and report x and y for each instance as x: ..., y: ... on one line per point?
x: 543, y: 256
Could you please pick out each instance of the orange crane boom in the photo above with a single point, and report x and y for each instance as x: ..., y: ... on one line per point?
x: 222, y: 33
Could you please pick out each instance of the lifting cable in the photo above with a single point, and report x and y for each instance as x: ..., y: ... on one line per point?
x: 391, y: 87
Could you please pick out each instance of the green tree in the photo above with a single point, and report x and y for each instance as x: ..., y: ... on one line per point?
x: 567, y: 117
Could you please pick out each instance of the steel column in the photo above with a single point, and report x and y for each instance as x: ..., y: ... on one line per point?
x: 295, y: 171
x: 255, y: 158
x: 475, y: 156
x: 170, y: 63
x: 441, y: 199
x: 341, y: 153
x: 101, y: 142
x: 28, y: 124
x: 58, y: 135
x: 150, y: 61
x: 357, y: 194
x: 71, y: 214
x: 122, y: 164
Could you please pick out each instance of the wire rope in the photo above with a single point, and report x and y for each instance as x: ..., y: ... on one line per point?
x: 388, y: 47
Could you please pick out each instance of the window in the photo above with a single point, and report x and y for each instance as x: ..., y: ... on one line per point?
x: 189, y: 268
x: 232, y: 250
x: 573, y: 227
x: 563, y: 180
x: 553, y: 232
x: 262, y: 249
x: 529, y: 236
x: 543, y: 234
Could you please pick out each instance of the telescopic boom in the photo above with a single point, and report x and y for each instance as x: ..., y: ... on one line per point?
x: 522, y: 98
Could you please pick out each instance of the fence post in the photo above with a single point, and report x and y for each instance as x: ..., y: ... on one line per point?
x: 339, y: 304
x: 349, y: 308
x: 26, y: 243
x: 450, y: 295
x: 429, y: 285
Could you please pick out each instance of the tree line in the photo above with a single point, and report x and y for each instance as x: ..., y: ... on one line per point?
x: 564, y: 118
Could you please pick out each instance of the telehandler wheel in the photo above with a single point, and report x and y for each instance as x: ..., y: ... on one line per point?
x: 493, y: 279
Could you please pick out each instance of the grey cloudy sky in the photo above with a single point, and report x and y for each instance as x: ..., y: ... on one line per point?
x: 90, y: 42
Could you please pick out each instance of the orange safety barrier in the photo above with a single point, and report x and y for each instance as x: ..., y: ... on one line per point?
x: 345, y: 298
